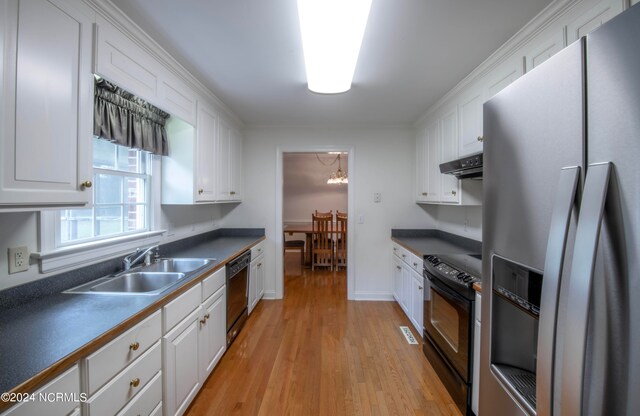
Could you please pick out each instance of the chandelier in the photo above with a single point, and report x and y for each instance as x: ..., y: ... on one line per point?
x: 337, y: 177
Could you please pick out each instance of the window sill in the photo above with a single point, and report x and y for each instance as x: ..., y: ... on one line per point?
x: 93, y: 252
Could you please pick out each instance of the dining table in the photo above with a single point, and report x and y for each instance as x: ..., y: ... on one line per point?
x: 305, y: 228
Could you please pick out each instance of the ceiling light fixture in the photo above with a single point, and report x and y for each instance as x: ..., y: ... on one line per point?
x: 332, y: 32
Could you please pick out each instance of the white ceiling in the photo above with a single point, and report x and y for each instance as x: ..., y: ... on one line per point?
x: 249, y: 54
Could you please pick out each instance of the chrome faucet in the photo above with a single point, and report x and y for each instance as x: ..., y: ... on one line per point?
x: 133, y: 258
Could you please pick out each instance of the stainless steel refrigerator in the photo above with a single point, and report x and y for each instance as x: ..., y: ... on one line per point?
x: 561, y: 233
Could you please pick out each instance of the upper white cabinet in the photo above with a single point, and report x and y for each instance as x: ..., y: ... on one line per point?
x: 450, y: 185
x: 46, y: 103
x: 470, y: 122
x: 543, y: 49
x: 503, y: 75
x: 123, y: 61
x: 205, y: 154
x: 436, y: 144
x: 229, y: 163
x: 593, y: 18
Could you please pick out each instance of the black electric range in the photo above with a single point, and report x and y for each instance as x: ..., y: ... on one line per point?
x: 457, y: 271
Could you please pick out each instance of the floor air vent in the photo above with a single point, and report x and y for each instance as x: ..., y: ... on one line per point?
x: 408, y: 335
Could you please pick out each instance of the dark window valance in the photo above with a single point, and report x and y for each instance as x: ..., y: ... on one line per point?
x: 127, y: 120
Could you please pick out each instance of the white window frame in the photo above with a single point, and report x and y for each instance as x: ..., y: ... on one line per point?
x: 57, y: 259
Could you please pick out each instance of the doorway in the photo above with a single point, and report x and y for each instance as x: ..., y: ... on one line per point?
x: 302, y: 189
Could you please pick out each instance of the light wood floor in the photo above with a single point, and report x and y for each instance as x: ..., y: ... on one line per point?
x: 315, y: 353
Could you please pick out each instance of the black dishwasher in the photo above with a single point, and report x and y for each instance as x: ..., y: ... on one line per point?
x: 237, y: 294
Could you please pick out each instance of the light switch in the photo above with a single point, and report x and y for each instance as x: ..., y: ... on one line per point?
x: 361, y: 219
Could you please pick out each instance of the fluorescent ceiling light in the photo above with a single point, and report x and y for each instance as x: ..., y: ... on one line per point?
x: 332, y: 32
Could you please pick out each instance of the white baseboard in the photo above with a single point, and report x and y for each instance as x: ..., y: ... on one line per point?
x: 269, y: 294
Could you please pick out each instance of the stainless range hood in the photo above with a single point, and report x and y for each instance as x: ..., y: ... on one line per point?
x: 468, y: 167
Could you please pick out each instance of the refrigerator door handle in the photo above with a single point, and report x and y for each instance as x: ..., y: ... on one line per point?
x: 580, y: 284
x: 554, y: 260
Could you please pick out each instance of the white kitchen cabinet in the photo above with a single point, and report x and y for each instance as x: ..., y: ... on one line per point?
x: 397, y: 278
x: 434, y: 184
x: 421, y: 166
x: 543, y: 48
x: 634, y: 2
x: 470, y: 122
x: 256, y: 281
x: 417, y: 301
x: 46, y: 103
x: 503, y: 75
x: 206, y: 154
x: 193, y: 347
x: 181, y: 369
x: 213, y: 336
x: 450, y: 185
x: 189, y: 171
x: 67, y: 383
x: 475, y: 387
x: 593, y: 18
x: 229, y: 163
x: 176, y: 98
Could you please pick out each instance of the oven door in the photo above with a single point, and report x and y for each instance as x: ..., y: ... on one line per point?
x: 447, y: 321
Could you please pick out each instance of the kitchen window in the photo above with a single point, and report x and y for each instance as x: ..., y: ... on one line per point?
x: 120, y: 204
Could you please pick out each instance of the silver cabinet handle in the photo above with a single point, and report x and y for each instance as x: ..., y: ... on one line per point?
x: 580, y: 285
x: 453, y: 192
x: 481, y: 139
x: 554, y: 260
x: 425, y: 194
x: 398, y: 267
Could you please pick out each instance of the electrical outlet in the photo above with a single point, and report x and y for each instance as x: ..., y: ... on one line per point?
x: 18, y: 259
x: 377, y: 197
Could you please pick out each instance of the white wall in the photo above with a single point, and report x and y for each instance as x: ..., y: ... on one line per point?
x: 305, y: 187
x: 464, y: 221
x: 384, y: 162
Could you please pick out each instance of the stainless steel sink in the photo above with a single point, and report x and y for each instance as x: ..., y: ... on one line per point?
x: 145, y: 280
x: 138, y: 282
x: 176, y: 265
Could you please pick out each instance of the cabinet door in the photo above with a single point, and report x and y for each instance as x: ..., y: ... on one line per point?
x: 543, y: 49
x: 235, y: 166
x: 397, y: 279
x: 421, y: 166
x: 205, y: 154
x: 180, y: 364
x: 213, y: 332
x: 471, y: 122
x: 46, y: 103
x: 434, y: 193
x: 223, y: 154
x: 417, y: 301
x: 593, y: 18
x: 176, y: 98
x: 405, y: 299
x: 260, y: 281
x: 503, y: 75
x: 253, y: 286
x: 449, y: 151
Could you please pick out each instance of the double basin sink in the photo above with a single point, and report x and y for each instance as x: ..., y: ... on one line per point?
x: 150, y: 279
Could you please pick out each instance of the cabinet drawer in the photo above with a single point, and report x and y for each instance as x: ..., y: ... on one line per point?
x: 176, y: 310
x: 109, y: 360
x: 213, y: 283
x: 67, y: 383
x: 478, y: 307
x: 415, y: 263
x: 257, y: 250
x: 147, y: 400
x: 397, y: 250
x: 113, y: 396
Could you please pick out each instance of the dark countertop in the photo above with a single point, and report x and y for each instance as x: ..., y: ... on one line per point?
x: 40, y: 333
x: 425, y: 242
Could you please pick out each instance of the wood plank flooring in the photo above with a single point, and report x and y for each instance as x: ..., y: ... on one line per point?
x: 315, y: 353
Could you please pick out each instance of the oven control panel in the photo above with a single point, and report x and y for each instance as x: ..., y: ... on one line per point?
x: 433, y: 263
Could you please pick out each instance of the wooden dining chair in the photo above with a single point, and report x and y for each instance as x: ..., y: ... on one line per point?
x: 341, y: 240
x: 322, y: 241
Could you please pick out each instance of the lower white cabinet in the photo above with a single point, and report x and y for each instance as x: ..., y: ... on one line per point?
x: 180, y: 364
x: 475, y: 393
x: 256, y: 279
x: 408, y: 285
x: 195, y: 345
x: 213, y: 331
x: 67, y: 383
